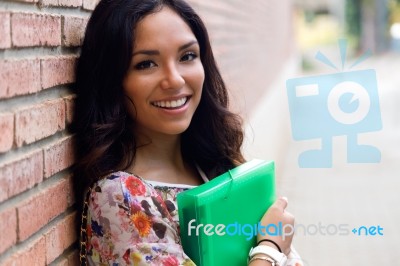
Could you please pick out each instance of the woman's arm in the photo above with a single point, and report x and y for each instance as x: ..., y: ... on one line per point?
x: 276, y: 214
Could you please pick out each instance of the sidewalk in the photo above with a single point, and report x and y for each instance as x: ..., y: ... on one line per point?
x: 348, y: 196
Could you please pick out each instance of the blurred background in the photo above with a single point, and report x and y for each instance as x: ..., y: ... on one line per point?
x: 347, y: 195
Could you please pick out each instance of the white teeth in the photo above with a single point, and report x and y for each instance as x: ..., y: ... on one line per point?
x: 171, y: 104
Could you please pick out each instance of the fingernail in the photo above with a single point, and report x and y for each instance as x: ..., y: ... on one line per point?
x: 285, y: 198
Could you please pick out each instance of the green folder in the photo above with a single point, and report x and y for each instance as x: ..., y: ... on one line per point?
x: 225, y: 213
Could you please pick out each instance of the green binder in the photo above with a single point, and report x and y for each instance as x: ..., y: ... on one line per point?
x: 225, y: 213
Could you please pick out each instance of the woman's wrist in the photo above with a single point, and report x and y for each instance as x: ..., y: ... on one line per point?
x: 269, y: 244
x: 258, y: 259
x: 266, y: 252
x: 261, y: 261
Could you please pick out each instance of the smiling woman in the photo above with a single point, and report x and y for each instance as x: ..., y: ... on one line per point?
x: 138, y: 60
x: 165, y: 79
x: 151, y: 120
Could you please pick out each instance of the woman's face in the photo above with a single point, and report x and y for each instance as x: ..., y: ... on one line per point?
x: 166, y: 76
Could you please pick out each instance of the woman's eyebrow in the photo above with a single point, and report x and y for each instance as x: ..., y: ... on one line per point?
x: 183, y: 47
x: 156, y: 52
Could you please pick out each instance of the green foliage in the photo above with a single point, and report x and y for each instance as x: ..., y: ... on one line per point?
x: 394, y: 11
x: 353, y: 17
x: 353, y: 21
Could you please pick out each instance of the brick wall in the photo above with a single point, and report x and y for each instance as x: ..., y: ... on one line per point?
x: 39, y: 46
x: 252, y: 41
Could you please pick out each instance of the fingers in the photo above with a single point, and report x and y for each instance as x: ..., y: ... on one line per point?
x: 281, y: 203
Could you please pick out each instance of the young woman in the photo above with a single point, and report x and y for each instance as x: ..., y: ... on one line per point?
x: 151, y: 120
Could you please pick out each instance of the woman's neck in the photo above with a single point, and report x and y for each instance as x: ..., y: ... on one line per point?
x: 159, y: 158
x: 163, y: 150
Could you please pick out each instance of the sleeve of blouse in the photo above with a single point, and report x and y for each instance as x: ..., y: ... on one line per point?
x: 128, y: 224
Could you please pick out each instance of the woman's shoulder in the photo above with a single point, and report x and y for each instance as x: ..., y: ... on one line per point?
x: 125, y: 183
x: 127, y: 193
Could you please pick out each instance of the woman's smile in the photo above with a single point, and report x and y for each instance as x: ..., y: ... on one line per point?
x: 171, y: 104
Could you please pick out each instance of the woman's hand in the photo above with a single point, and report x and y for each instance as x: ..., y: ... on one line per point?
x: 276, y: 214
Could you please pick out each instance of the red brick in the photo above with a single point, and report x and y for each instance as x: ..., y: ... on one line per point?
x: 41, y: 208
x: 5, y: 35
x: 21, y: 174
x: 7, y: 131
x: 73, y: 30
x: 69, y: 108
x: 19, y: 77
x: 67, y: 3
x: 89, y: 4
x: 8, y: 229
x: 30, y: 29
x: 58, y: 156
x: 58, y: 70
x: 60, y: 237
x: 33, y: 254
x: 39, y: 121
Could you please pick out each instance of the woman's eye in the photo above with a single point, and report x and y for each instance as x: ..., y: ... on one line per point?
x: 145, y: 65
x: 189, y: 56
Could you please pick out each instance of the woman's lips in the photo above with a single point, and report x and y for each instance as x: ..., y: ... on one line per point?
x: 171, y: 104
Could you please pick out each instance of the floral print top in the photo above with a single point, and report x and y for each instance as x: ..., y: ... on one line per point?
x: 132, y: 222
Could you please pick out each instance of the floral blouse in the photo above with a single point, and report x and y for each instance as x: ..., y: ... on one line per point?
x: 134, y: 222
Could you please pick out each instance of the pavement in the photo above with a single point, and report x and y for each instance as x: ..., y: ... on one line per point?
x: 329, y: 203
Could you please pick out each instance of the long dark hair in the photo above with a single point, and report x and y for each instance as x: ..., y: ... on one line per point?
x: 104, y: 138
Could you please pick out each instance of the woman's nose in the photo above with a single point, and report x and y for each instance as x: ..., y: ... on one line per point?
x: 172, y: 78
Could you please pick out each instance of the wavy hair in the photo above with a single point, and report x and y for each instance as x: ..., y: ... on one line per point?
x: 104, y: 139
